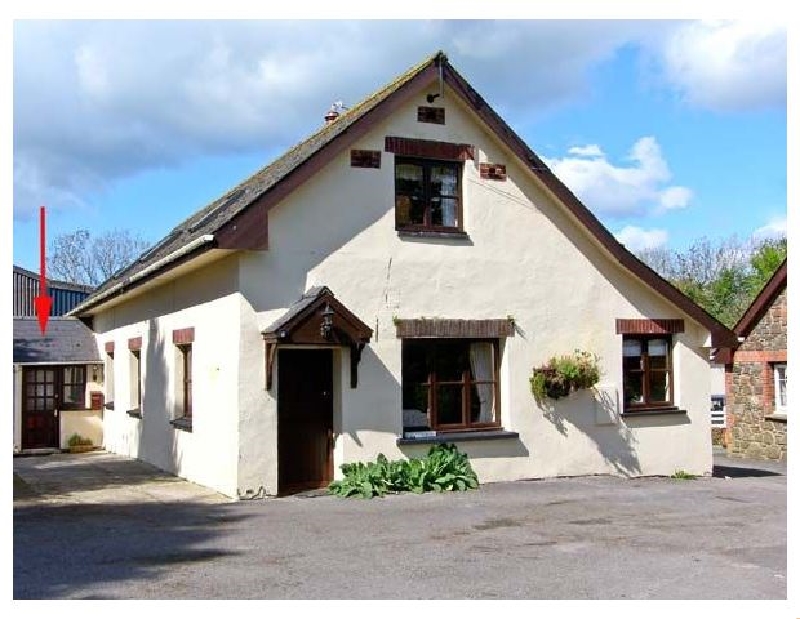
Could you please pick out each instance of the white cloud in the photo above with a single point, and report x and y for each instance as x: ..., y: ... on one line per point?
x: 775, y: 228
x: 98, y: 101
x: 621, y: 190
x: 727, y: 66
x: 590, y: 150
x: 637, y: 239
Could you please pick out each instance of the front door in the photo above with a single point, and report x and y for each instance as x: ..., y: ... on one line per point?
x: 305, y: 419
x: 39, y: 407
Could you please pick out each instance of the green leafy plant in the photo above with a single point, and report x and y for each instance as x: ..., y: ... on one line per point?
x: 562, y: 375
x: 681, y: 474
x: 76, y: 440
x: 443, y: 469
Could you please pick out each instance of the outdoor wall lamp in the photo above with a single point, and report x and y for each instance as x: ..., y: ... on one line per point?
x: 327, y: 322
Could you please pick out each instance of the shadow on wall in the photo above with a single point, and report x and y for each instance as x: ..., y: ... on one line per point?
x: 594, y: 412
x: 99, y: 545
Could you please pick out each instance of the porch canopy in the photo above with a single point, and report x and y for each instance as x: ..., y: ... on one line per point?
x: 317, y: 319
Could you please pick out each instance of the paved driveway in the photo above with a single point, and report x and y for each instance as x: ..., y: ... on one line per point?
x: 578, y: 538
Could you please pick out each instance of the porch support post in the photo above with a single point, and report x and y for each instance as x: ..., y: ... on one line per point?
x: 355, y: 359
x: 270, y: 348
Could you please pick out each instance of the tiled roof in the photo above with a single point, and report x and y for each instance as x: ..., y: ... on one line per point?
x: 67, y: 340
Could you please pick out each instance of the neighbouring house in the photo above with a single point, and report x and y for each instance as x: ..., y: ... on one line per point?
x: 756, y: 390
x: 58, y: 376
x: 387, y: 284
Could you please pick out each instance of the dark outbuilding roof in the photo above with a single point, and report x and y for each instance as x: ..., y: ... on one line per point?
x: 67, y: 340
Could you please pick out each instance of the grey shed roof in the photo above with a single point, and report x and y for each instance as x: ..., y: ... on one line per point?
x: 67, y: 340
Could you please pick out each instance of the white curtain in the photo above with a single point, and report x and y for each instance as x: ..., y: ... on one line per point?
x: 448, y: 181
x: 482, y: 361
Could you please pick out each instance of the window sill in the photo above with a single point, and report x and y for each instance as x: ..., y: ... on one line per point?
x: 135, y: 412
x: 433, y: 234
x: 109, y: 406
x: 776, y: 417
x: 641, y: 412
x: 182, y: 423
x: 450, y: 437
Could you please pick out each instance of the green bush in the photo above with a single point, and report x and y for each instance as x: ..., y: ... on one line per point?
x: 562, y: 375
x: 444, y: 468
x: 76, y: 440
x: 681, y: 474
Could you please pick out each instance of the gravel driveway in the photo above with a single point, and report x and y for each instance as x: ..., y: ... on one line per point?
x: 152, y: 536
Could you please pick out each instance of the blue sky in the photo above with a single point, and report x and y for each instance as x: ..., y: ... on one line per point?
x: 668, y: 130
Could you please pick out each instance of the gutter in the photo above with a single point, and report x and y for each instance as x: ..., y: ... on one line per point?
x: 189, y: 247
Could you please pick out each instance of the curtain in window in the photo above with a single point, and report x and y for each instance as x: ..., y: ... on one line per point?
x: 447, y: 182
x: 482, y: 363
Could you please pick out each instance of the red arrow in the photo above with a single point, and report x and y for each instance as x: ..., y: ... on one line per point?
x: 43, y: 302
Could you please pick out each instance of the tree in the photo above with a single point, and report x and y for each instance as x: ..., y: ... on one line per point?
x: 79, y: 258
x: 723, y: 276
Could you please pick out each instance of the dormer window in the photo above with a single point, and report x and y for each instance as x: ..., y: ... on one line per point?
x: 427, y: 195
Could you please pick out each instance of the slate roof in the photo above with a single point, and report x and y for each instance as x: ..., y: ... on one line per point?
x: 211, y: 218
x: 67, y: 340
x: 309, y: 296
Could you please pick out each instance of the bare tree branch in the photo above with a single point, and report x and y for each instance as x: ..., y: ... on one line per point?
x: 77, y: 257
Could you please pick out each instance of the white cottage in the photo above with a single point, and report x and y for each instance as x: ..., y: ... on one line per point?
x: 389, y: 283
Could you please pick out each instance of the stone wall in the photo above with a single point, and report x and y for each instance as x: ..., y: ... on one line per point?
x: 756, y: 432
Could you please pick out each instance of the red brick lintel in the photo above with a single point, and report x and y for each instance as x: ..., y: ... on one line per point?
x: 759, y: 356
x: 183, y: 336
x: 648, y: 326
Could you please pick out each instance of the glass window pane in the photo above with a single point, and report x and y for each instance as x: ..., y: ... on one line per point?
x: 415, y: 406
x: 39, y: 376
x: 402, y: 210
x: 68, y: 375
x: 657, y: 348
x: 444, y: 180
x: 30, y: 390
x: 49, y: 403
x: 31, y: 404
x: 40, y: 390
x: 658, y: 386
x: 631, y: 348
x: 48, y: 376
x: 482, y: 409
x: 415, y: 361
x: 449, y: 407
x: 451, y: 360
x: 658, y: 363
x: 49, y: 389
x: 632, y: 385
x: 631, y: 363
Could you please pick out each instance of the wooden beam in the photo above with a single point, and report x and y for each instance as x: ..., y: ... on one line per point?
x: 270, y: 348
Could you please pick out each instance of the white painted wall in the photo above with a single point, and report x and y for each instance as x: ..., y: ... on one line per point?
x: 206, y: 299
x: 525, y: 257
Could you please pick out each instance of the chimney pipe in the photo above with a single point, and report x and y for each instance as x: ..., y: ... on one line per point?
x: 331, y: 116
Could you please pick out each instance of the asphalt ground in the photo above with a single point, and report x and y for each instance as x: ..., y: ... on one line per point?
x: 97, y: 526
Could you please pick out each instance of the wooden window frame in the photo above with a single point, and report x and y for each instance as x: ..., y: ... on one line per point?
x: 62, y: 403
x: 186, y: 380
x: 426, y: 165
x: 137, y: 356
x: 646, y: 370
x: 466, y: 383
x: 777, y: 408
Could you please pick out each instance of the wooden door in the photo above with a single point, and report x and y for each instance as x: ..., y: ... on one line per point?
x: 305, y: 419
x: 39, y: 407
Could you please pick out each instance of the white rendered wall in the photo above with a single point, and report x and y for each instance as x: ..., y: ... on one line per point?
x: 206, y: 299
x: 525, y: 257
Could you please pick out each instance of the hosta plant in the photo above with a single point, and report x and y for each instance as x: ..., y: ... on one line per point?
x: 444, y: 468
